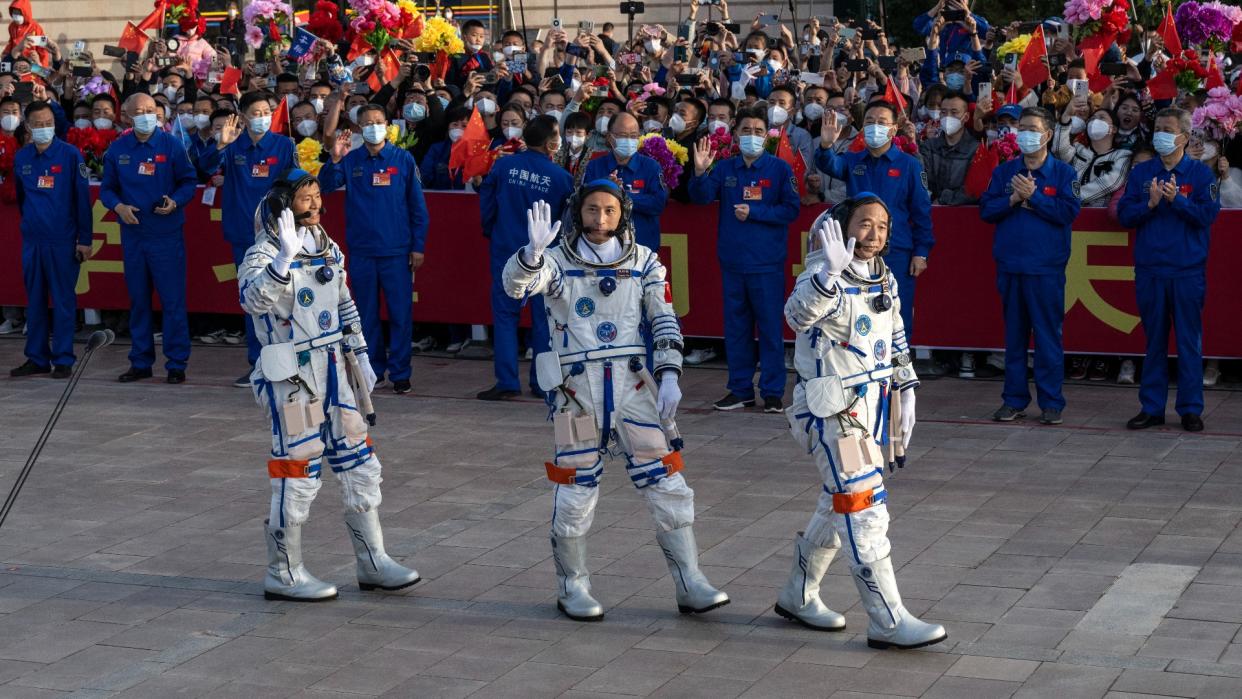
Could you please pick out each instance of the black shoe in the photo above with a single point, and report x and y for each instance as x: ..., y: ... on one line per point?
x: 243, y: 381
x: 538, y: 393
x: 497, y: 393
x: 175, y: 376
x: 1078, y: 369
x: 401, y: 387
x: 1192, y: 423
x: 29, y: 369
x: 1050, y: 417
x: 1142, y: 421
x: 134, y: 374
x: 733, y: 402
x: 1007, y: 413
x: 60, y: 371
x: 772, y: 404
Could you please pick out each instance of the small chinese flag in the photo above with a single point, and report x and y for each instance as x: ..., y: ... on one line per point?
x: 979, y: 173
x: 280, y: 117
x: 392, y: 65
x: 1168, y: 31
x: 1214, y: 78
x: 440, y: 68
x: 1163, y: 86
x: 359, y: 47
x: 229, y: 80
x: 133, y: 39
x: 470, y: 155
x: 786, y: 152
x: 1093, y: 48
x: 893, y: 96
x: 1032, y: 66
x: 155, y: 20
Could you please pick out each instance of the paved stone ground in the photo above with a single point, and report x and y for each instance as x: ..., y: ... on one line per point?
x: 1075, y: 561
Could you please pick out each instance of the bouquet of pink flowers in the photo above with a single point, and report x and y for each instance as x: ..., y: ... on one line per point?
x: 1221, y: 115
x: 1094, y: 17
x: 263, y: 20
x: 376, y: 20
x: 722, y: 144
x: 1206, y: 24
x: 1006, y: 147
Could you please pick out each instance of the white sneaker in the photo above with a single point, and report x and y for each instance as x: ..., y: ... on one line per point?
x: 423, y: 345
x: 966, y: 365
x: 530, y: 354
x: 214, y: 337
x: 996, y: 360
x: 233, y: 338
x: 8, y: 328
x: 699, y: 356
x: 455, y: 347
x: 1211, y: 373
x: 1126, y: 375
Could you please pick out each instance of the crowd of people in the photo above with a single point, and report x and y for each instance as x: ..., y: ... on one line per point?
x: 1029, y: 121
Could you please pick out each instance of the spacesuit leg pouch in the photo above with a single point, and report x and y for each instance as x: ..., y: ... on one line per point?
x: 824, y: 396
x: 278, y: 362
x: 548, y: 370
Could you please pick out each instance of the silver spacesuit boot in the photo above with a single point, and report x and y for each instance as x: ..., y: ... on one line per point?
x: 694, y: 593
x: 376, y: 569
x: 287, y: 579
x: 800, y: 601
x: 573, y: 594
x: 892, y: 625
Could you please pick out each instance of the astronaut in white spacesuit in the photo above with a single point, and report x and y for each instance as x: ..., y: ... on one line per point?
x: 853, y: 410
x: 599, y: 285
x: 311, y: 374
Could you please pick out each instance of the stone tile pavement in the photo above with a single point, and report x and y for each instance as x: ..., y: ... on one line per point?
x: 1072, y: 561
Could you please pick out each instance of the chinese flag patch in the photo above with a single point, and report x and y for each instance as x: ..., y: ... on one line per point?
x: 1186, y: 189
x: 55, y: 169
x: 894, y: 172
x: 668, y: 292
x: 161, y: 158
x: 1050, y: 191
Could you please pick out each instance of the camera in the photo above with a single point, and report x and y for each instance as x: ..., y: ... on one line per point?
x: 954, y: 15
x: 857, y: 65
x: 586, y: 26
x: 633, y: 8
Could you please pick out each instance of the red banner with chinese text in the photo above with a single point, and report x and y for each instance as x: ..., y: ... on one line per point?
x: 957, y: 305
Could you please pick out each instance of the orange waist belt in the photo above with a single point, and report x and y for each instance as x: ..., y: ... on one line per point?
x: 845, y: 503
x: 291, y: 468
x: 563, y: 475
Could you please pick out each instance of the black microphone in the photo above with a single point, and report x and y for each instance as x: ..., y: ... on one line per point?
x: 304, y: 215
x: 99, y: 338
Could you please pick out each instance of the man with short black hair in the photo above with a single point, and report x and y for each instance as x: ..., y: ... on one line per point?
x: 1172, y: 201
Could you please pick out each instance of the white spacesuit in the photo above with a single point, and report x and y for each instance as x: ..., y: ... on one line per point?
x: 600, y: 392
x: 312, y: 367
x: 853, y: 410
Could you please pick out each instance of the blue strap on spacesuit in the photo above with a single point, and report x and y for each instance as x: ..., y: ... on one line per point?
x: 604, y: 273
x: 881, y: 417
x: 606, y: 424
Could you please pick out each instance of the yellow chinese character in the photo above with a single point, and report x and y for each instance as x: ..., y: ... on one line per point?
x: 112, y: 236
x: 1080, y: 277
x: 678, y: 269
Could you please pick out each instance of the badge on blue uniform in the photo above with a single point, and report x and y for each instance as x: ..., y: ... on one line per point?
x: 305, y: 297
x: 606, y: 332
x: 860, y: 170
x: 84, y: 171
x: 584, y: 307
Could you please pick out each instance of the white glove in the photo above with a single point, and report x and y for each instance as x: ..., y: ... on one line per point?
x: 907, y: 416
x: 290, y: 242
x: 368, y: 373
x: 669, y: 396
x: 541, y: 230
x: 838, y: 252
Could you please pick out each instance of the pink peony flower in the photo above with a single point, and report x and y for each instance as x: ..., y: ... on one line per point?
x: 254, y: 37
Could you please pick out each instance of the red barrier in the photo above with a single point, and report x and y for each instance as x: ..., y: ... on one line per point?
x: 957, y: 304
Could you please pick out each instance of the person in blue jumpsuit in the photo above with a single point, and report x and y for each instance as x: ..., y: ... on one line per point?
x: 898, y: 179
x: 1033, y: 200
x: 250, y: 166
x: 758, y: 200
x: 514, y: 183
x: 148, y: 180
x: 1172, y: 200
x: 639, y: 174
x: 53, y: 194
x: 386, y: 229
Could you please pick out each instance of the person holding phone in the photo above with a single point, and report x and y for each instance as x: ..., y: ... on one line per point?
x: 53, y: 194
x: 958, y: 29
x: 475, y: 59
x: 21, y: 29
x: 147, y: 181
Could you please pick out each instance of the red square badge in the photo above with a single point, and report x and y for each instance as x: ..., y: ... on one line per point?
x: 161, y: 158
x: 55, y: 169
x: 1050, y: 191
x: 392, y: 169
x: 765, y: 183
x: 637, y: 184
x: 1186, y: 189
x: 273, y: 160
x: 894, y: 172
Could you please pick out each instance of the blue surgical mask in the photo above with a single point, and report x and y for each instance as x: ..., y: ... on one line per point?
x: 414, y: 111
x: 1030, y: 142
x: 374, y: 133
x: 444, y: 102
x: 876, y: 135
x: 145, y: 123
x: 43, y: 135
x: 955, y: 81
x: 751, y: 145
x: 1164, y: 143
x: 261, y: 125
x: 626, y: 147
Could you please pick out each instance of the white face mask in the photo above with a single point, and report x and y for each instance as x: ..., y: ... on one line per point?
x: 576, y: 141
x: 951, y: 125
x: 293, y: 100
x: 1098, y: 129
x: 186, y: 120
x: 10, y: 122
x: 510, y: 50
x: 102, y: 123
x: 486, y: 106
x: 18, y: 19
x: 317, y: 103
x: 555, y: 114
x: 652, y: 125
x: 575, y: 85
x: 455, y: 134
x: 777, y: 115
x: 81, y: 123
x: 813, y: 111
x: 933, y: 114
x: 652, y: 45
x: 601, y: 125
x: 1077, y: 125
x: 676, y: 123
x: 307, y: 127
x: 474, y: 48
x: 171, y: 93
x: 260, y: 125
x: 512, y: 132
x: 498, y: 56
x: 776, y: 65
x: 1209, y: 151
x: 353, y: 113
x: 715, y: 125
x: 202, y: 122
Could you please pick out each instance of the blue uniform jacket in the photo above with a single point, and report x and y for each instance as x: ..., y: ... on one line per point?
x: 140, y: 174
x: 644, y: 180
x: 54, y: 195
x: 384, y: 206
x: 760, y: 243
x: 435, y: 168
x: 515, y: 182
x: 1033, y: 240
x: 1173, y: 237
x: 250, y: 169
x: 899, y: 180
x: 199, y: 149
x: 953, y: 36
